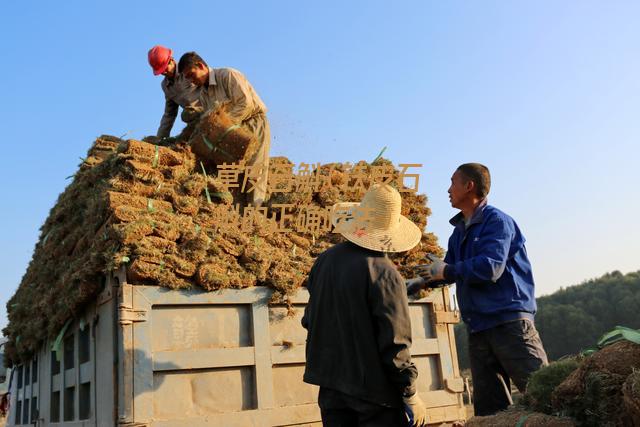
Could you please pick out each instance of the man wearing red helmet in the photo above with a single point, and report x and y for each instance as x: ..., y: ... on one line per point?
x: 220, y: 85
x: 178, y: 91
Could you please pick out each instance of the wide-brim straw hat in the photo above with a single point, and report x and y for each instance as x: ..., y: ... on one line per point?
x: 376, y: 223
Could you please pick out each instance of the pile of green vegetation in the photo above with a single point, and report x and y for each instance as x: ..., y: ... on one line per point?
x: 171, y: 222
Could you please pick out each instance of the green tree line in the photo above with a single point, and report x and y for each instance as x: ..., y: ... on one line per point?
x: 573, y: 318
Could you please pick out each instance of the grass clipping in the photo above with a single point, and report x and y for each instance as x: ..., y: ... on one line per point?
x: 170, y: 221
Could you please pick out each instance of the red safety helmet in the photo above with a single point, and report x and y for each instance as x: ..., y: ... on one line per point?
x: 159, y: 57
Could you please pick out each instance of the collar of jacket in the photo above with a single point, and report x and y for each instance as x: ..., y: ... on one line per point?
x: 212, y: 76
x: 170, y: 81
x: 476, y: 218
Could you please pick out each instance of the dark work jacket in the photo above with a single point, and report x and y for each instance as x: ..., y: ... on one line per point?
x: 359, y: 331
x: 488, y: 261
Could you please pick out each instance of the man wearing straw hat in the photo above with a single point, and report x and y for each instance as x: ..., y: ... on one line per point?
x: 487, y: 260
x: 357, y: 318
x: 220, y: 85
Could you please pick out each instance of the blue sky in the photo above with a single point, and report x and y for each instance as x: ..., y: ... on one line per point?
x: 545, y: 93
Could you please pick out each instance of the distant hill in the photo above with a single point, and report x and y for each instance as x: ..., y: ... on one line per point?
x: 573, y: 318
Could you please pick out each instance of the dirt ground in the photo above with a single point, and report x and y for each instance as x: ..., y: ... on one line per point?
x: 513, y: 417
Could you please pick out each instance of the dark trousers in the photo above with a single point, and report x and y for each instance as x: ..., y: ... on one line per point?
x: 340, y: 410
x: 508, y: 352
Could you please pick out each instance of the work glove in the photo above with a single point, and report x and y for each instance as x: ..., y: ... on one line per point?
x: 415, y: 410
x: 167, y: 141
x: 432, y: 272
x: 191, y: 113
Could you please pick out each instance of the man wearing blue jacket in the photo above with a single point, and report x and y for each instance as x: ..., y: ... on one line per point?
x: 488, y: 261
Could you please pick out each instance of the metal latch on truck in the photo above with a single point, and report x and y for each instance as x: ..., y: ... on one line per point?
x: 127, y: 315
x: 442, y: 315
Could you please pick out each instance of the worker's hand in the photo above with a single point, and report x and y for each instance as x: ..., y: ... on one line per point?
x: 415, y: 410
x: 434, y: 271
x: 217, y: 104
x: 191, y: 113
x: 167, y: 141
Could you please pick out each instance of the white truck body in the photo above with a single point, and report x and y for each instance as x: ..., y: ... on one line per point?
x: 155, y: 357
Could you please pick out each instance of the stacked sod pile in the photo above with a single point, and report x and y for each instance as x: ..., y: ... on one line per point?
x: 601, y: 389
x: 160, y: 213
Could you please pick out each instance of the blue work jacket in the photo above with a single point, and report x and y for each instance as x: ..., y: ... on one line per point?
x: 488, y: 262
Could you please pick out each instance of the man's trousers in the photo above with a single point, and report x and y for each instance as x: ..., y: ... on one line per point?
x: 341, y: 410
x: 508, y: 352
